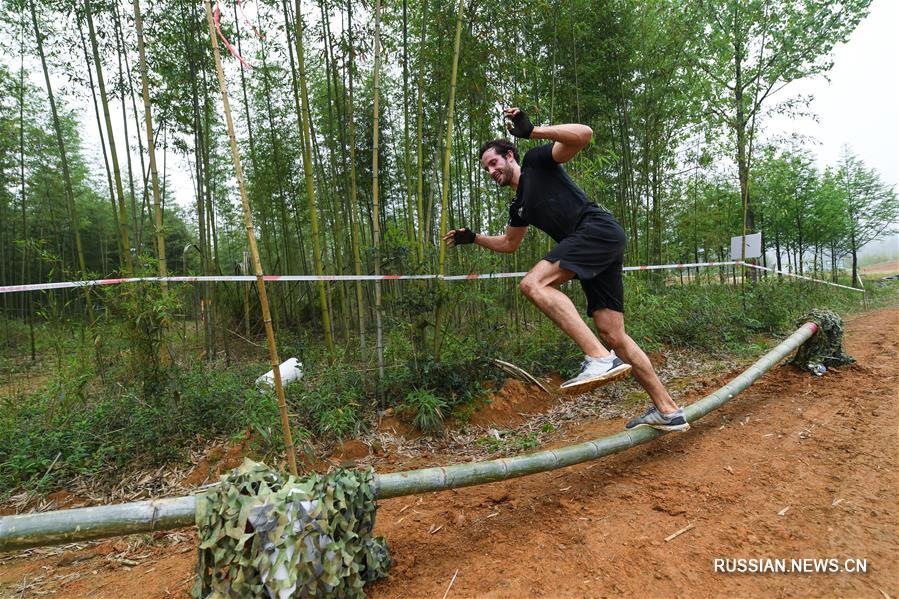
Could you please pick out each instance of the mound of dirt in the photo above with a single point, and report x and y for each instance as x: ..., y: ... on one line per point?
x: 511, y: 405
x: 506, y: 408
x: 348, y: 452
x: 390, y: 422
x: 217, y: 461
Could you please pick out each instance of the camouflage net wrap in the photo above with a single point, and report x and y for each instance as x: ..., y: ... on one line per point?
x: 825, y: 348
x: 264, y: 535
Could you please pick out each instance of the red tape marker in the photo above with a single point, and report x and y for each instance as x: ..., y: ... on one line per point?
x: 216, y: 17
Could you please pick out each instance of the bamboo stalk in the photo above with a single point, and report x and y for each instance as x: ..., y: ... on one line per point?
x: 254, y: 250
x: 65, y: 526
x: 444, y: 195
x: 375, y: 188
x: 356, y: 236
x: 117, y: 175
x: 151, y: 148
x: 82, y: 524
x: 310, y: 189
x: 60, y: 144
x: 419, y: 119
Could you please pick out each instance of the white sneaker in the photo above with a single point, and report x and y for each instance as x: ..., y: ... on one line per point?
x: 596, y: 372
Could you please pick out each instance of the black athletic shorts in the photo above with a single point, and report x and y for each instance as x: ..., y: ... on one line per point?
x: 595, y: 252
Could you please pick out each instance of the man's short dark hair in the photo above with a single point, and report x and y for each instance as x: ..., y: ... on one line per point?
x: 501, y: 147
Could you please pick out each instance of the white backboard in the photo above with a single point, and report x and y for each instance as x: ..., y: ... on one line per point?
x: 753, y: 248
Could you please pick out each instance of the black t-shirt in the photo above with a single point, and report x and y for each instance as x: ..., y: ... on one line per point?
x: 547, y: 197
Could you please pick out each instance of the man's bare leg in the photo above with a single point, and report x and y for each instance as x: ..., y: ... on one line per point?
x: 610, y: 324
x: 540, y: 286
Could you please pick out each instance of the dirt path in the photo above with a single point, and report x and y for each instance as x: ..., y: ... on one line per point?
x: 795, y: 467
x: 881, y: 268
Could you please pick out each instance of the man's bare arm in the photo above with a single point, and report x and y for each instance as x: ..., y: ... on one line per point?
x: 506, y: 243
x: 570, y: 139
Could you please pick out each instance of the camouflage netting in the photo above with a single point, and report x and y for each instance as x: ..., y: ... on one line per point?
x: 825, y: 348
x: 264, y: 535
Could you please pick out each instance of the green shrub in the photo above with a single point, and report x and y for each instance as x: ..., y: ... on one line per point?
x: 428, y: 411
x: 330, y: 400
x: 104, y: 410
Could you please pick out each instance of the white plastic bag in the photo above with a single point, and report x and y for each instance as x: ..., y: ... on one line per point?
x: 291, y: 370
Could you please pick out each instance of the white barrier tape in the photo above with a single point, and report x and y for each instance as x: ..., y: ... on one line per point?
x: 289, y: 278
x: 789, y: 274
x: 690, y: 265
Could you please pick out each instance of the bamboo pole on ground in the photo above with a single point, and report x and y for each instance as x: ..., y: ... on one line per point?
x: 67, y: 526
x: 254, y: 250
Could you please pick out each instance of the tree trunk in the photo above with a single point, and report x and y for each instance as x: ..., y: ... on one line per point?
x: 354, y: 201
x: 112, y: 199
x: 60, y: 145
x: 27, y: 306
x: 376, y: 213
x: 123, y: 77
x: 335, y: 189
x: 251, y: 238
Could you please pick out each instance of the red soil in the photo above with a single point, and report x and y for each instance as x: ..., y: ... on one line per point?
x: 218, y: 461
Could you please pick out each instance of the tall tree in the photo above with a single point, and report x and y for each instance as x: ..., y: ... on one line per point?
x: 251, y: 238
x: 60, y: 143
x: 375, y: 188
x: 310, y: 188
x: 447, y: 153
x: 871, y: 210
x: 356, y: 235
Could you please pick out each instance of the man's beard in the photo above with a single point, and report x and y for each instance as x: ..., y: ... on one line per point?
x: 505, y: 177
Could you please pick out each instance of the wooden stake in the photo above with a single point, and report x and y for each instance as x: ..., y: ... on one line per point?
x: 680, y: 532
x: 456, y: 573
x: 254, y: 250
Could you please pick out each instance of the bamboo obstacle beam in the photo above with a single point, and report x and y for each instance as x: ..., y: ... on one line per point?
x: 82, y: 524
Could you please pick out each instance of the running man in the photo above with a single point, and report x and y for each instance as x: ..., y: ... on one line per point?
x: 589, y: 246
